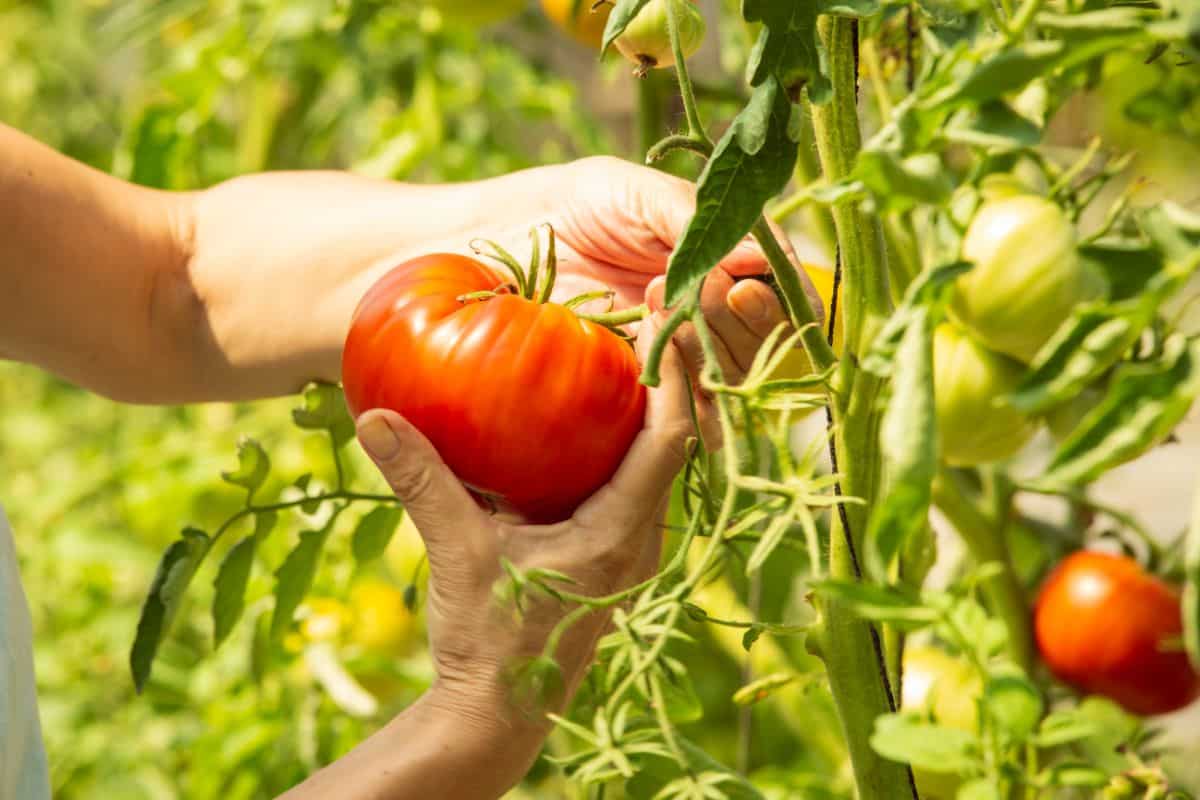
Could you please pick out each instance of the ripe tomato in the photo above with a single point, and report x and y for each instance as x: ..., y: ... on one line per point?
x: 530, y: 406
x: 1107, y: 627
x: 946, y: 688
x: 477, y: 12
x: 973, y: 428
x: 1027, y: 276
x: 646, y: 41
x: 587, y: 27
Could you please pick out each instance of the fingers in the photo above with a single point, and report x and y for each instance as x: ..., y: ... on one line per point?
x: 442, y: 510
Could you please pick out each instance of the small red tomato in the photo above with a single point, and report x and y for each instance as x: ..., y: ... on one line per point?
x: 1106, y: 626
x: 529, y: 405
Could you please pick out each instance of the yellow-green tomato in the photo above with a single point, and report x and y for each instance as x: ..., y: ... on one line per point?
x: 646, y: 41
x: 1027, y: 276
x: 974, y: 427
x: 477, y: 12
x: 945, y: 688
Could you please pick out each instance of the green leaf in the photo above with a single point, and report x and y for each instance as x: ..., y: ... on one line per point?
x: 788, y: 47
x: 1127, y: 266
x: 229, y: 597
x: 294, y: 578
x: 1005, y: 72
x: 655, y: 771
x: 751, y: 164
x: 897, y: 605
x: 994, y: 126
x: 1076, y: 774
x: 179, y: 563
x: 898, y: 185
x: 374, y: 532
x: 909, y: 739
x: 325, y: 409
x: 761, y: 689
x: 252, y: 469
x: 1065, y: 727
x: 1144, y: 404
x: 536, y: 684
x: 751, y: 636
x: 907, y: 442
x: 1014, y: 704
x: 679, y: 695
x: 978, y: 789
x: 622, y: 13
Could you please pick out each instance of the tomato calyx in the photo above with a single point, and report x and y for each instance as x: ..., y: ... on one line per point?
x: 532, y: 284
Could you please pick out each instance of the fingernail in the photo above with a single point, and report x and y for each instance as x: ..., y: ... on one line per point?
x: 378, y: 438
x: 749, y: 304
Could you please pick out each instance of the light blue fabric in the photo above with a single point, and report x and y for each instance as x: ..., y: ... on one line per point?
x: 23, y: 772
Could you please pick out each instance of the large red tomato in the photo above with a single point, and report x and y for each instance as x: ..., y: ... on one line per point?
x: 529, y: 405
x: 1106, y: 626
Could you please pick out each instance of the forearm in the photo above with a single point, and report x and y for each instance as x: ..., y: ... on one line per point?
x: 435, y: 748
x: 71, y: 299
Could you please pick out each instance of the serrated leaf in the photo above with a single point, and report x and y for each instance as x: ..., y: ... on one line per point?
x: 1143, y: 405
x: 909, y: 739
x: 908, y: 444
x: 175, y: 571
x: 325, y: 409
x: 294, y: 578
x: 751, y: 164
x: 788, y: 47
x: 253, y: 466
x: 374, y: 532
x: 622, y: 13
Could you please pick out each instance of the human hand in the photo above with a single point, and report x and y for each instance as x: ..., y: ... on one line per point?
x: 610, y: 543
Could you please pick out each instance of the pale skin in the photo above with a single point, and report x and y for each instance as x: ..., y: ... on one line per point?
x: 246, y: 290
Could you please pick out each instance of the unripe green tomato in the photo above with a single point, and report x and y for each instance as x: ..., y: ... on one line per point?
x: 1027, y: 276
x: 946, y: 688
x: 477, y: 12
x: 647, y: 39
x: 969, y: 380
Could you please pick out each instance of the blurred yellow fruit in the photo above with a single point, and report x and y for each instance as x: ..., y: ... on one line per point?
x: 796, y: 363
x: 381, y: 621
x: 587, y: 27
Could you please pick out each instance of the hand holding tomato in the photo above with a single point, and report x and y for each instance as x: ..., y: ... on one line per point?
x: 610, y: 542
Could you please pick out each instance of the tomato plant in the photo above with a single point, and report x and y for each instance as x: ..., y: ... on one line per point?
x: 939, y: 154
x: 535, y: 414
x: 1106, y: 626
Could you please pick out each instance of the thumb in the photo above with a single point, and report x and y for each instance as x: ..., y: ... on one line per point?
x: 440, y: 507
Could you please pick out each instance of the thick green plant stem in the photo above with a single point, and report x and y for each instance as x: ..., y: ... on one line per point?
x: 649, y: 119
x: 849, y: 646
x: 984, y: 537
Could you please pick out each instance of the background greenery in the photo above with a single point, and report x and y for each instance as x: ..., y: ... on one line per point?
x: 182, y: 94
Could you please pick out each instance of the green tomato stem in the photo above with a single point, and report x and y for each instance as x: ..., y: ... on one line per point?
x: 849, y: 646
x: 686, y: 91
x: 798, y: 307
x: 677, y: 142
x: 611, y: 319
x: 984, y: 537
